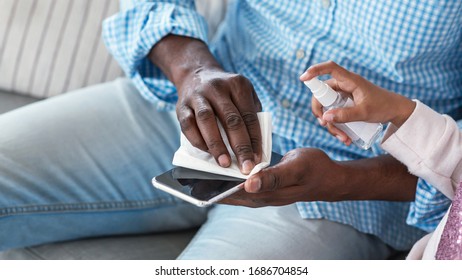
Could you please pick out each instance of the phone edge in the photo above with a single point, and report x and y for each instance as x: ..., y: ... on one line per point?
x: 167, y: 189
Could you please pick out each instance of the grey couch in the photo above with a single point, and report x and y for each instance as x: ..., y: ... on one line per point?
x: 152, y: 247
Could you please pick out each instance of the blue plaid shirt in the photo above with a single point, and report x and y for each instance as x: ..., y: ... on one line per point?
x: 410, y: 47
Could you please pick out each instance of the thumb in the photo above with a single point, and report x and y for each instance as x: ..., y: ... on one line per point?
x: 343, y: 115
x: 270, y: 179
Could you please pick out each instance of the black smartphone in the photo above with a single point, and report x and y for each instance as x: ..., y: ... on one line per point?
x: 198, y: 187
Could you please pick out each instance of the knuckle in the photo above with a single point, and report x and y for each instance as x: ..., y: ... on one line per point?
x: 204, y: 113
x: 250, y: 118
x: 185, y: 117
x: 217, y: 83
x: 292, y: 154
x: 243, y: 149
x: 275, y: 182
x: 214, y: 144
x: 313, y: 153
x: 341, y: 115
x: 355, y: 77
x: 182, y: 109
x: 233, y: 121
x: 255, y: 142
x: 238, y: 78
x: 199, y: 91
x: 186, y: 122
x: 242, y: 81
x: 331, y: 63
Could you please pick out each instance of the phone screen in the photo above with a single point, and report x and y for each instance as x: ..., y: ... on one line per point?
x: 198, y: 187
x: 197, y: 184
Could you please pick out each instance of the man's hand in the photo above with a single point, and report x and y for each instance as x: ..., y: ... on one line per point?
x: 207, y: 93
x: 308, y: 174
x: 302, y: 175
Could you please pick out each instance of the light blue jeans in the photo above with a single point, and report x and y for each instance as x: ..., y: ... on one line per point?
x: 80, y: 165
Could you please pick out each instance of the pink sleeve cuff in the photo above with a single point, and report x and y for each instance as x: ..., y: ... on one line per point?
x: 428, y: 143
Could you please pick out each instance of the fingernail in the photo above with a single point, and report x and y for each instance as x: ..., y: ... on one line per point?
x: 224, y: 161
x: 321, y: 122
x: 328, y: 117
x: 247, y: 166
x: 304, y: 75
x: 255, y: 185
x: 341, y: 138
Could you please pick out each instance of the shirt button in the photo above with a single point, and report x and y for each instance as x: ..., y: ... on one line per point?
x: 286, y: 103
x: 326, y: 4
x: 299, y: 54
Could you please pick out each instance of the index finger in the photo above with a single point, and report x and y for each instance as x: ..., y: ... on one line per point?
x: 323, y: 68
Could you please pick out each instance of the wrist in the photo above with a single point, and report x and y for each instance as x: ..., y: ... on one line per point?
x: 379, y: 178
x: 180, y: 58
x: 403, y: 110
x: 344, y: 178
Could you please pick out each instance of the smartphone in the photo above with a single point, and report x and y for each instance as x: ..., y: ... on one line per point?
x: 198, y: 187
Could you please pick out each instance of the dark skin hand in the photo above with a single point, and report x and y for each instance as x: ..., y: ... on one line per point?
x: 308, y: 174
x: 205, y: 91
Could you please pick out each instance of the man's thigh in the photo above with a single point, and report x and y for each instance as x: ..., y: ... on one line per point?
x: 278, y: 233
x: 81, y: 164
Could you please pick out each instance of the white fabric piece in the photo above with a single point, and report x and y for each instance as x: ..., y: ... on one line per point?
x: 193, y: 158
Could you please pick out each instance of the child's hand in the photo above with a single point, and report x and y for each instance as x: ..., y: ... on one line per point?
x: 372, y: 103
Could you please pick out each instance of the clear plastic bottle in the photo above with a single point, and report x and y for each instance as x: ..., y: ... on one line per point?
x: 362, y: 134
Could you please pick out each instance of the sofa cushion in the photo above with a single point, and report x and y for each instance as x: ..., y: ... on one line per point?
x: 10, y: 101
x: 160, y: 246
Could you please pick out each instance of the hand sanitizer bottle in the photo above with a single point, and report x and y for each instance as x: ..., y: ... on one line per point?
x: 362, y: 134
